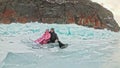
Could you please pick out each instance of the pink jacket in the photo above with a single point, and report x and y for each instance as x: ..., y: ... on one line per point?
x: 44, y: 39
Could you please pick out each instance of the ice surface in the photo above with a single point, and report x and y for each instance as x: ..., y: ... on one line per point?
x: 88, y: 48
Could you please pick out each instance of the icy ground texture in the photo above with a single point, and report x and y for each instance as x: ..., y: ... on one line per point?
x: 88, y: 48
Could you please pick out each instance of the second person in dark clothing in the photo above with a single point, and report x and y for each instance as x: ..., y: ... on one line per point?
x: 54, y: 38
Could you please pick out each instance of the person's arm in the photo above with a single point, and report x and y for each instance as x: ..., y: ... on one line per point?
x: 57, y: 39
x: 47, y: 36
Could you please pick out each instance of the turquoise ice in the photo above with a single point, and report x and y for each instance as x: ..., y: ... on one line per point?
x: 88, y: 48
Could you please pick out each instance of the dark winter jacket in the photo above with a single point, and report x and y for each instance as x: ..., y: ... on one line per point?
x: 53, y: 37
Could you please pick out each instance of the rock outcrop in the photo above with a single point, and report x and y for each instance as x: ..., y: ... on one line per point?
x: 81, y: 12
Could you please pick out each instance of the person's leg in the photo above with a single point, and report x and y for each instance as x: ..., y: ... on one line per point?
x: 60, y: 44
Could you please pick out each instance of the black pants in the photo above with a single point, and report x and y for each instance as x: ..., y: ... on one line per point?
x: 60, y: 44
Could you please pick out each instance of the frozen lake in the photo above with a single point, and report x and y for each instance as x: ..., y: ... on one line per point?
x: 88, y: 48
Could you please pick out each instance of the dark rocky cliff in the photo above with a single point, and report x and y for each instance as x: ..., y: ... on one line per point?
x: 81, y: 12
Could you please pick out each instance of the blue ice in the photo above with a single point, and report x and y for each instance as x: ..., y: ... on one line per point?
x: 88, y: 47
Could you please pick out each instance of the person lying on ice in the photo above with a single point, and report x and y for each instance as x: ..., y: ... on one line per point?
x: 49, y: 37
x: 44, y: 39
